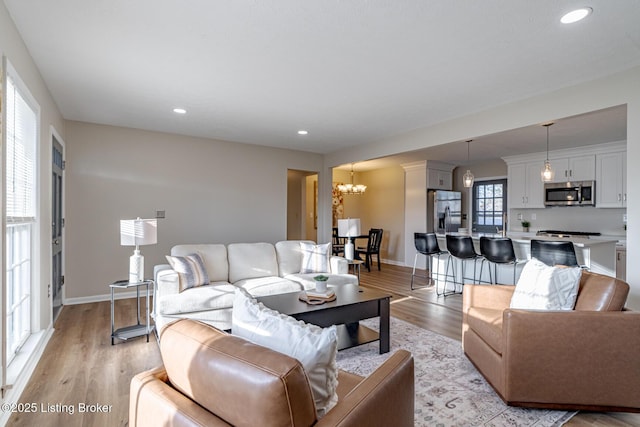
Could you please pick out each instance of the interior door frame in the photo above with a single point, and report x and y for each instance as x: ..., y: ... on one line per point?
x: 53, y: 133
x: 302, y: 206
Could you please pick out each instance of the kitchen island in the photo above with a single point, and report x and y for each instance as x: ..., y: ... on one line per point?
x: 598, y: 255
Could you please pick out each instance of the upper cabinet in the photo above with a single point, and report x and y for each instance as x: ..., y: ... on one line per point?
x: 439, y: 175
x: 439, y: 180
x: 578, y: 168
x: 524, y: 186
x: 611, y: 183
x: 604, y: 163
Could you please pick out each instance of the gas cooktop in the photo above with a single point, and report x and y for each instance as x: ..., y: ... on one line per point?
x: 561, y: 233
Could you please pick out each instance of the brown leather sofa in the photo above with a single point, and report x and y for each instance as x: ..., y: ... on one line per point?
x: 586, y: 359
x: 211, y: 378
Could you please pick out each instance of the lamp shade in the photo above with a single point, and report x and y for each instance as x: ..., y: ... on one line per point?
x: 349, y: 227
x: 138, y: 232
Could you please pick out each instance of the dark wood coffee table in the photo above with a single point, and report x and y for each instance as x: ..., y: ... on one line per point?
x: 352, y: 304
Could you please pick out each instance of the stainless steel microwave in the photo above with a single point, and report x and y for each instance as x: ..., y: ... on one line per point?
x: 576, y: 193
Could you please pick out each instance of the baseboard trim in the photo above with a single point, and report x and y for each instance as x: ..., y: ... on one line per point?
x: 393, y: 262
x: 100, y: 298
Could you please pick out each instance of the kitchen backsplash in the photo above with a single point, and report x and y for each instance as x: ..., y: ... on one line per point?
x: 606, y: 221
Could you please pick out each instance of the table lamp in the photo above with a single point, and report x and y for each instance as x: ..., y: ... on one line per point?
x: 138, y: 232
x: 349, y: 228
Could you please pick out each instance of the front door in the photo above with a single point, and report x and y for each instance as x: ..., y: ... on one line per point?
x: 57, y: 226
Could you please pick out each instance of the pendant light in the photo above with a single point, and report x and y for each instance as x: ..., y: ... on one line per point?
x: 547, y: 174
x: 467, y: 178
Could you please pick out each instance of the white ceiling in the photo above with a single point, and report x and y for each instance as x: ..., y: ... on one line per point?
x: 350, y: 72
x: 608, y: 125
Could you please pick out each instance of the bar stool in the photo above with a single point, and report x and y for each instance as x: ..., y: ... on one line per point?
x: 426, y: 244
x: 498, y: 250
x: 460, y: 247
x: 554, y: 253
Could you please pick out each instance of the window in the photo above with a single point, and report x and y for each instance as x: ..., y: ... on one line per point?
x: 489, y: 204
x: 20, y: 205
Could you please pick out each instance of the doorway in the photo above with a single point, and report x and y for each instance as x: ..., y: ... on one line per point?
x: 57, y: 224
x: 302, y: 205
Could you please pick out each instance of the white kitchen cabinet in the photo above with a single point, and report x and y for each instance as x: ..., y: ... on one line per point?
x: 439, y: 175
x: 611, y: 177
x: 517, y: 185
x: 606, y: 163
x: 439, y: 179
x: 576, y: 168
x: 525, y: 187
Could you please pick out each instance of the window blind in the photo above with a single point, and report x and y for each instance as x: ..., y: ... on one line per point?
x: 21, y: 157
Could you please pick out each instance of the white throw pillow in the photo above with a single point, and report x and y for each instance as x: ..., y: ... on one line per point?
x: 191, y: 270
x: 313, y: 346
x: 541, y: 287
x: 315, y: 258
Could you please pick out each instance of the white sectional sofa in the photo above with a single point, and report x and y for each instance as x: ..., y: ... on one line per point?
x: 260, y: 268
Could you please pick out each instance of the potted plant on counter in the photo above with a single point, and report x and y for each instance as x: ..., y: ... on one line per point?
x: 525, y: 226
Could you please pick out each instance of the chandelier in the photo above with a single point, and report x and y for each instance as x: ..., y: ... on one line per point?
x: 352, y: 188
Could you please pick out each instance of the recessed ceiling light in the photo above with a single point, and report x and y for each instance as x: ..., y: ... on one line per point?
x: 576, y: 15
x: 303, y: 132
x: 180, y: 111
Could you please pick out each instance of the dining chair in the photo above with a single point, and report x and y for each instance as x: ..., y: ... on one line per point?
x: 373, y: 248
x: 337, y: 243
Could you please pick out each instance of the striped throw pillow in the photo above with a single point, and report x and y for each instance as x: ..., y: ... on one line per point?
x: 190, y: 269
x: 315, y: 258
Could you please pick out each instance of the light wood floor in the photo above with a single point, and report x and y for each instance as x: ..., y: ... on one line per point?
x: 81, y: 366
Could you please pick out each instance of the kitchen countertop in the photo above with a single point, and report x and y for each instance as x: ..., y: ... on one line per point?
x: 522, y: 237
x: 597, y: 253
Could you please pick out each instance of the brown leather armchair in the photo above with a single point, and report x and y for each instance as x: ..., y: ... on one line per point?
x: 211, y: 378
x: 586, y: 359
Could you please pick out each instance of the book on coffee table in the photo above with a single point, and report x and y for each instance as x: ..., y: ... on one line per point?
x: 317, y: 297
x: 315, y: 294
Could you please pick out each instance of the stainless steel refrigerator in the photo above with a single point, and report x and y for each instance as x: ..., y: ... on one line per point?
x: 444, y: 210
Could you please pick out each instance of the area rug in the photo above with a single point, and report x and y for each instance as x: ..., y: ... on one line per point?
x: 449, y: 391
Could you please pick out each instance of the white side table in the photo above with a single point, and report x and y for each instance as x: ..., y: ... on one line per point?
x: 138, y: 329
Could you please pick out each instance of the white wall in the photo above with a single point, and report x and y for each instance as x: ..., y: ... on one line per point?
x: 383, y: 207
x: 212, y: 192
x: 618, y: 89
x: 12, y: 46
x: 605, y: 221
x: 352, y: 204
x: 415, y: 210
